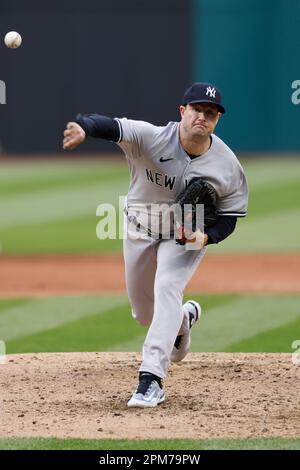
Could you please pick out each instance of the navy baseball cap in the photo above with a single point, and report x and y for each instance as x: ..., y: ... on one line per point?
x: 203, y: 93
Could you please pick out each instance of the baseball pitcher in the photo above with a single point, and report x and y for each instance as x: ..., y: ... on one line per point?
x: 181, y: 164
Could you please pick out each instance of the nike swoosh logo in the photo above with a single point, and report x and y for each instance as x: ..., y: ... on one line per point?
x: 162, y: 159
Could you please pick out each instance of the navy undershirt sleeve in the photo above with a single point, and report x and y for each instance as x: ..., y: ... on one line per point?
x: 221, y: 229
x: 102, y: 127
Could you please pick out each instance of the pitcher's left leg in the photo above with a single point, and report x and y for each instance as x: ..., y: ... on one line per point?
x: 175, y: 267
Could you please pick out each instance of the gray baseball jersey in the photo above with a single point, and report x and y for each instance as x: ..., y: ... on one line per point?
x: 158, y: 270
x: 160, y: 168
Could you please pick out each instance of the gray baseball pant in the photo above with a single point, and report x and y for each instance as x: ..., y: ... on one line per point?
x: 156, y: 273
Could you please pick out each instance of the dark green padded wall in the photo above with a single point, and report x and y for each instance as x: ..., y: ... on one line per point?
x: 251, y: 50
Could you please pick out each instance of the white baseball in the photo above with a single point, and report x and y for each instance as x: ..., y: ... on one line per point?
x: 13, y: 39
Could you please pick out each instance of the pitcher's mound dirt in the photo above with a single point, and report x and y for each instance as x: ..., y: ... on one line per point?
x: 213, y: 395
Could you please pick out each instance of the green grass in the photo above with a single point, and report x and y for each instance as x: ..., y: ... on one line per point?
x: 33, y: 316
x: 9, y: 303
x: 49, y: 207
x: 267, y: 200
x: 167, y: 444
x: 229, y: 322
x: 64, y: 236
x: 56, y: 176
x: 246, y: 318
x: 98, y: 332
x: 274, y: 340
x: 53, y: 209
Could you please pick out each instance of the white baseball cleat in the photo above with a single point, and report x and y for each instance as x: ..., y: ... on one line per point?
x: 149, y: 392
x: 192, y: 313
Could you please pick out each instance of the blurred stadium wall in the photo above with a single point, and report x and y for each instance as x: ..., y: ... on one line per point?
x: 116, y: 57
x: 251, y: 49
x: 134, y: 58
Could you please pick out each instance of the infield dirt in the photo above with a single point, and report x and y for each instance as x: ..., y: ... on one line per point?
x: 209, y: 395
x: 39, y: 276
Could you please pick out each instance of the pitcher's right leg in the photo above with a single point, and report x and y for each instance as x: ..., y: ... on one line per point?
x: 140, y: 268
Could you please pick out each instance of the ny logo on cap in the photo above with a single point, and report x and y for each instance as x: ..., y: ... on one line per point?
x: 211, y: 92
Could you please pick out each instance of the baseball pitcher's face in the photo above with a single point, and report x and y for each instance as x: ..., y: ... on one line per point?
x: 199, y: 119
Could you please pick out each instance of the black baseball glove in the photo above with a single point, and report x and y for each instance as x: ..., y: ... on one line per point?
x: 198, y: 191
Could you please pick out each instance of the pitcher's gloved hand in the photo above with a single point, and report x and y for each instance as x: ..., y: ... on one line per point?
x: 187, y: 228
